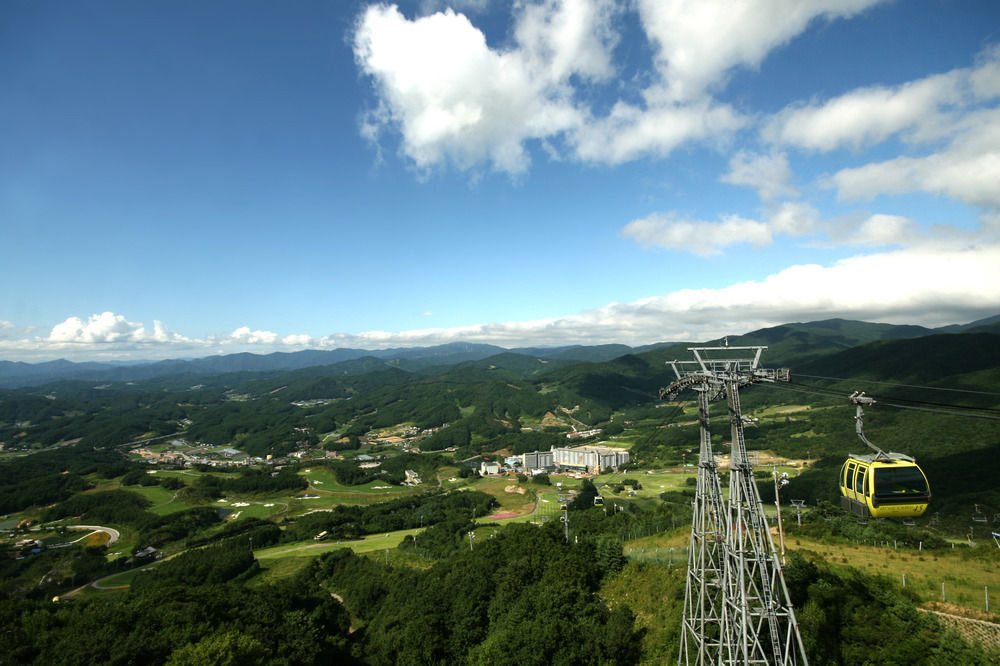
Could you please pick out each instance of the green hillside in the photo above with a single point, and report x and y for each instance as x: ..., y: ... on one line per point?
x: 369, y: 454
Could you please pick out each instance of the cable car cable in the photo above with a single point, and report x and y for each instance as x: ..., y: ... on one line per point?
x: 889, y: 404
x: 916, y: 386
x: 836, y: 394
x: 941, y: 411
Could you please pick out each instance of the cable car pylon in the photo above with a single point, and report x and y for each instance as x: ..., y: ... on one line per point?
x: 736, y: 604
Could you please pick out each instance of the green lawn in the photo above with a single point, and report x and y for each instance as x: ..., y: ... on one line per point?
x: 162, y: 501
x: 372, y: 542
x: 965, y: 580
x: 255, y: 508
x: 652, y: 483
x: 121, y: 579
x: 323, y: 482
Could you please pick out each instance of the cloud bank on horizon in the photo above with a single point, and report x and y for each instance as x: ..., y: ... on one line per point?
x: 446, y: 97
x: 928, y: 287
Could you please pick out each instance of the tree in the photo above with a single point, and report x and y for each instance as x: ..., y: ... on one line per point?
x: 231, y: 648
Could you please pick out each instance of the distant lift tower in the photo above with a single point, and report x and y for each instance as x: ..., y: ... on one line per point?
x: 736, y: 605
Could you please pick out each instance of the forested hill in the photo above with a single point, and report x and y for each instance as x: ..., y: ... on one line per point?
x: 787, y: 343
x: 921, y: 360
x: 478, y: 403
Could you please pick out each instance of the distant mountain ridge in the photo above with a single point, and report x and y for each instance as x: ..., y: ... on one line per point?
x: 786, y: 343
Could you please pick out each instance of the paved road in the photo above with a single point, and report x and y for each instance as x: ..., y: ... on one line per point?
x: 112, y: 533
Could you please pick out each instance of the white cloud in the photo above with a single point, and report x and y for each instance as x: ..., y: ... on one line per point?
x: 882, y: 230
x: 768, y: 174
x: 866, y: 116
x: 699, y: 41
x: 99, y: 328
x: 927, y: 285
x: 794, y: 218
x: 953, y: 114
x: 559, y: 38
x: 699, y: 237
x: 789, y: 218
x: 467, y: 6
x: 703, y: 238
x: 298, y: 340
x: 108, y: 328
x: 245, y: 335
x: 630, y: 132
x: 984, y: 80
x: 456, y: 101
x: 968, y: 169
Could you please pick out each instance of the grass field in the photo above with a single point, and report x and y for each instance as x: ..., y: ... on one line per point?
x: 510, y: 502
x: 323, y: 482
x: 162, y: 501
x: 965, y: 580
x: 309, y: 549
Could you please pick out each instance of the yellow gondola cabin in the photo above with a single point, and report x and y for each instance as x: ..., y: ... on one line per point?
x: 886, y: 486
x: 881, y: 485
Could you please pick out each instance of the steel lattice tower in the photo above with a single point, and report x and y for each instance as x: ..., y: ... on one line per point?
x: 702, y: 632
x: 736, y: 605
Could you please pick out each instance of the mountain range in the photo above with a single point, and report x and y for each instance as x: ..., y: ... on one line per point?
x: 787, y: 344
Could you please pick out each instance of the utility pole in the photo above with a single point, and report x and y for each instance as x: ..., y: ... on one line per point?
x: 736, y: 605
x: 779, y: 483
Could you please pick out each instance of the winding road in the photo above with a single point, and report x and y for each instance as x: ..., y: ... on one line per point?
x: 113, y: 534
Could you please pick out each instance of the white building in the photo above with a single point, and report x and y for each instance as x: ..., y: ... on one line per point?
x: 593, y: 459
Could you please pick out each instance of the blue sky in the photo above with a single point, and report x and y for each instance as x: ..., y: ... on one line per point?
x: 182, y: 179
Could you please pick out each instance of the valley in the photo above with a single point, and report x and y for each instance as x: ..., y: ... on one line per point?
x: 293, y: 485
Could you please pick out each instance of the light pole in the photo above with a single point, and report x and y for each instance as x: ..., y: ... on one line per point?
x: 779, y: 483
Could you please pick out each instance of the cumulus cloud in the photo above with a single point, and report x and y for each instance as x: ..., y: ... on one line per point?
x: 455, y: 100
x: 950, y: 122
x: 99, y: 328
x: 769, y: 174
x: 704, y: 238
x: 794, y: 219
x: 7, y: 329
x: 298, y: 340
x: 865, y: 116
x: 630, y: 132
x: 245, y: 335
x: 698, y: 41
x: 967, y: 169
x: 882, y: 230
x: 696, y: 236
x: 926, y: 285
x: 921, y: 111
x: 466, y: 6
x: 108, y: 328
